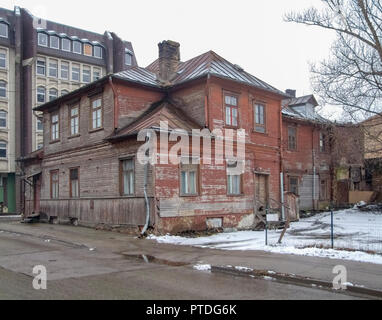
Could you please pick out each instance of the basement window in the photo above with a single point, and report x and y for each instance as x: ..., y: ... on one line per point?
x: 127, y: 174
x: 188, y: 179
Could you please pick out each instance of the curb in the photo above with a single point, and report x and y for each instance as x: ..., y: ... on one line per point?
x: 296, y: 280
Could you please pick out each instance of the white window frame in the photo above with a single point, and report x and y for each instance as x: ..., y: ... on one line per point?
x: 58, y: 42
x: 128, y: 177
x: 96, y: 118
x: 99, y: 72
x: 37, y: 94
x: 39, y: 38
x: 128, y: 54
x: 86, y: 71
x: 74, y: 45
x: 67, y: 64
x: 54, y: 96
x: 63, y: 47
x: 74, y: 121
x: 4, y: 116
x: 6, y: 30
x: 95, y: 48
x: 55, y: 127
x: 37, y: 122
x: 3, y: 88
x: 51, y: 68
x: 76, y: 66
x: 5, y: 59
x: 37, y: 66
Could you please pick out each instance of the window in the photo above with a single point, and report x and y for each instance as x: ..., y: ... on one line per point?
x: 41, y: 67
x: 3, y: 30
x: 292, y: 138
x: 54, y: 42
x: 77, y: 47
x: 260, y: 118
x: 66, y: 44
x: 98, y: 52
x: 86, y: 75
x: 65, y: 70
x: 323, y: 190
x: 53, y: 94
x: 188, y: 179
x: 97, y: 114
x: 96, y: 74
x: 128, y: 58
x: 74, y: 121
x: 293, y: 185
x: 75, y: 72
x: 3, y: 59
x: 3, y: 89
x: 88, y: 49
x: 323, y: 142
x: 55, y: 127
x: 64, y: 92
x: 127, y: 167
x: 39, y: 125
x: 43, y: 39
x: 3, y: 149
x: 74, y: 183
x: 53, y: 68
x: 3, y: 119
x: 41, y: 92
x: 233, y: 181
x: 231, y: 111
x: 54, y: 184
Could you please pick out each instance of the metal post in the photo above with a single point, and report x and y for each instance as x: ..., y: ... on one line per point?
x: 266, y: 226
x: 282, y: 195
x: 332, y: 226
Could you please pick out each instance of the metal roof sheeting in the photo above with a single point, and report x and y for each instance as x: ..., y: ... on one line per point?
x: 138, y: 75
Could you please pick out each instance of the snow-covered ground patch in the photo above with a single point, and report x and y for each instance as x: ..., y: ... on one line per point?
x: 202, y: 267
x: 356, y: 235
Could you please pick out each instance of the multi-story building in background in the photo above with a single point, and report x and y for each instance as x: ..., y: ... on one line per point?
x: 41, y: 60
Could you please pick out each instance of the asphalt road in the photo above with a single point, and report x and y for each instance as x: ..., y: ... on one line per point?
x: 78, y: 271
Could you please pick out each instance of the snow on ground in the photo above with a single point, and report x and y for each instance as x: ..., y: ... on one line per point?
x: 359, y: 233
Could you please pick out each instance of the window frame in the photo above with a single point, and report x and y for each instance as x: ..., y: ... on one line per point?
x: 71, y: 117
x: 66, y: 64
x: 86, y: 68
x: 43, y: 60
x: 58, y: 42
x: 78, y: 183
x: 99, y: 71
x: 74, y: 45
x: 37, y: 94
x: 6, y: 36
x: 122, y: 176
x: 5, y: 59
x: 52, y: 124
x: 50, y: 64
x: 91, y: 113
x: 42, y: 123
x: 101, y: 52
x: 39, y: 37
x: 5, y: 118
x: 225, y: 106
x: 190, y: 167
x: 259, y: 125
x: 293, y: 148
x: 84, y: 45
x: 74, y: 66
x: 3, y: 87
x: 241, y: 182
x: 297, y: 185
x: 52, y: 173
x: 4, y: 148
x: 63, y: 47
x: 130, y: 55
x: 50, y: 96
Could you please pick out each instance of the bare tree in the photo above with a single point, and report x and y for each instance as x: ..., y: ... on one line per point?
x: 352, y: 76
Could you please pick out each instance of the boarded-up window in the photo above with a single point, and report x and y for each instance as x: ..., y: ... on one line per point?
x: 323, y: 190
x: 260, y: 118
x: 88, y: 49
x: 96, y: 114
x: 188, y: 179
x: 54, y: 184
x: 293, y: 185
x: 292, y: 138
x: 74, y: 183
x: 128, y: 168
x: 231, y: 110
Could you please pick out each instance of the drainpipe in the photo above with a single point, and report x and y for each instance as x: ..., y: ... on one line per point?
x: 146, y: 173
x: 281, y: 164
x: 314, y: 171
x: 116, y: 105
x: 282, y: 195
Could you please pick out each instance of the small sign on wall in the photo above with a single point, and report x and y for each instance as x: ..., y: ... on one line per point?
x: 273, y: 217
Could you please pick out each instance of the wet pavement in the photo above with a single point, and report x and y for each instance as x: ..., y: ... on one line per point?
x: 88, y: 264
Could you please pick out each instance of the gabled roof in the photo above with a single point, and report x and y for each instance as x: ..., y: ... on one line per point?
x: 290, y: 112
x: 161, y: 111
x: 301, y: 100
x: 210, y: 63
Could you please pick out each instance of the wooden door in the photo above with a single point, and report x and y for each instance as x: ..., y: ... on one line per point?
x: 261, y: 193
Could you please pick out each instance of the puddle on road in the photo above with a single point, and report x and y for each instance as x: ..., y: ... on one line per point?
x: 151, y: 259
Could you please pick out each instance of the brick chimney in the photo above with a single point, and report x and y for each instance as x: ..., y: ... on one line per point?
x: 291, y: 92
x: 169, y: 58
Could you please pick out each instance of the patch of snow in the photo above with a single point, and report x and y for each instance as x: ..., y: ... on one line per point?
x: 243, y: 269
x: 202, y: 267
x: 268, y: 278
x: 271, y: 272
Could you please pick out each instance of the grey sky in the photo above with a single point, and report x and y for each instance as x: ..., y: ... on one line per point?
x: 250, y: 33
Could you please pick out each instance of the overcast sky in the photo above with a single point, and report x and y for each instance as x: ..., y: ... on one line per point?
x: 250, y: 33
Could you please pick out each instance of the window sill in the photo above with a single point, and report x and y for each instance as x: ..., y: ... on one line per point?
x: 189, y: 195
x: 262, y: 133
x: 54, y: 141
x: 128, y: 196
x: 236, y: 195
x: 74, y: 136
x: 95, y: 130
